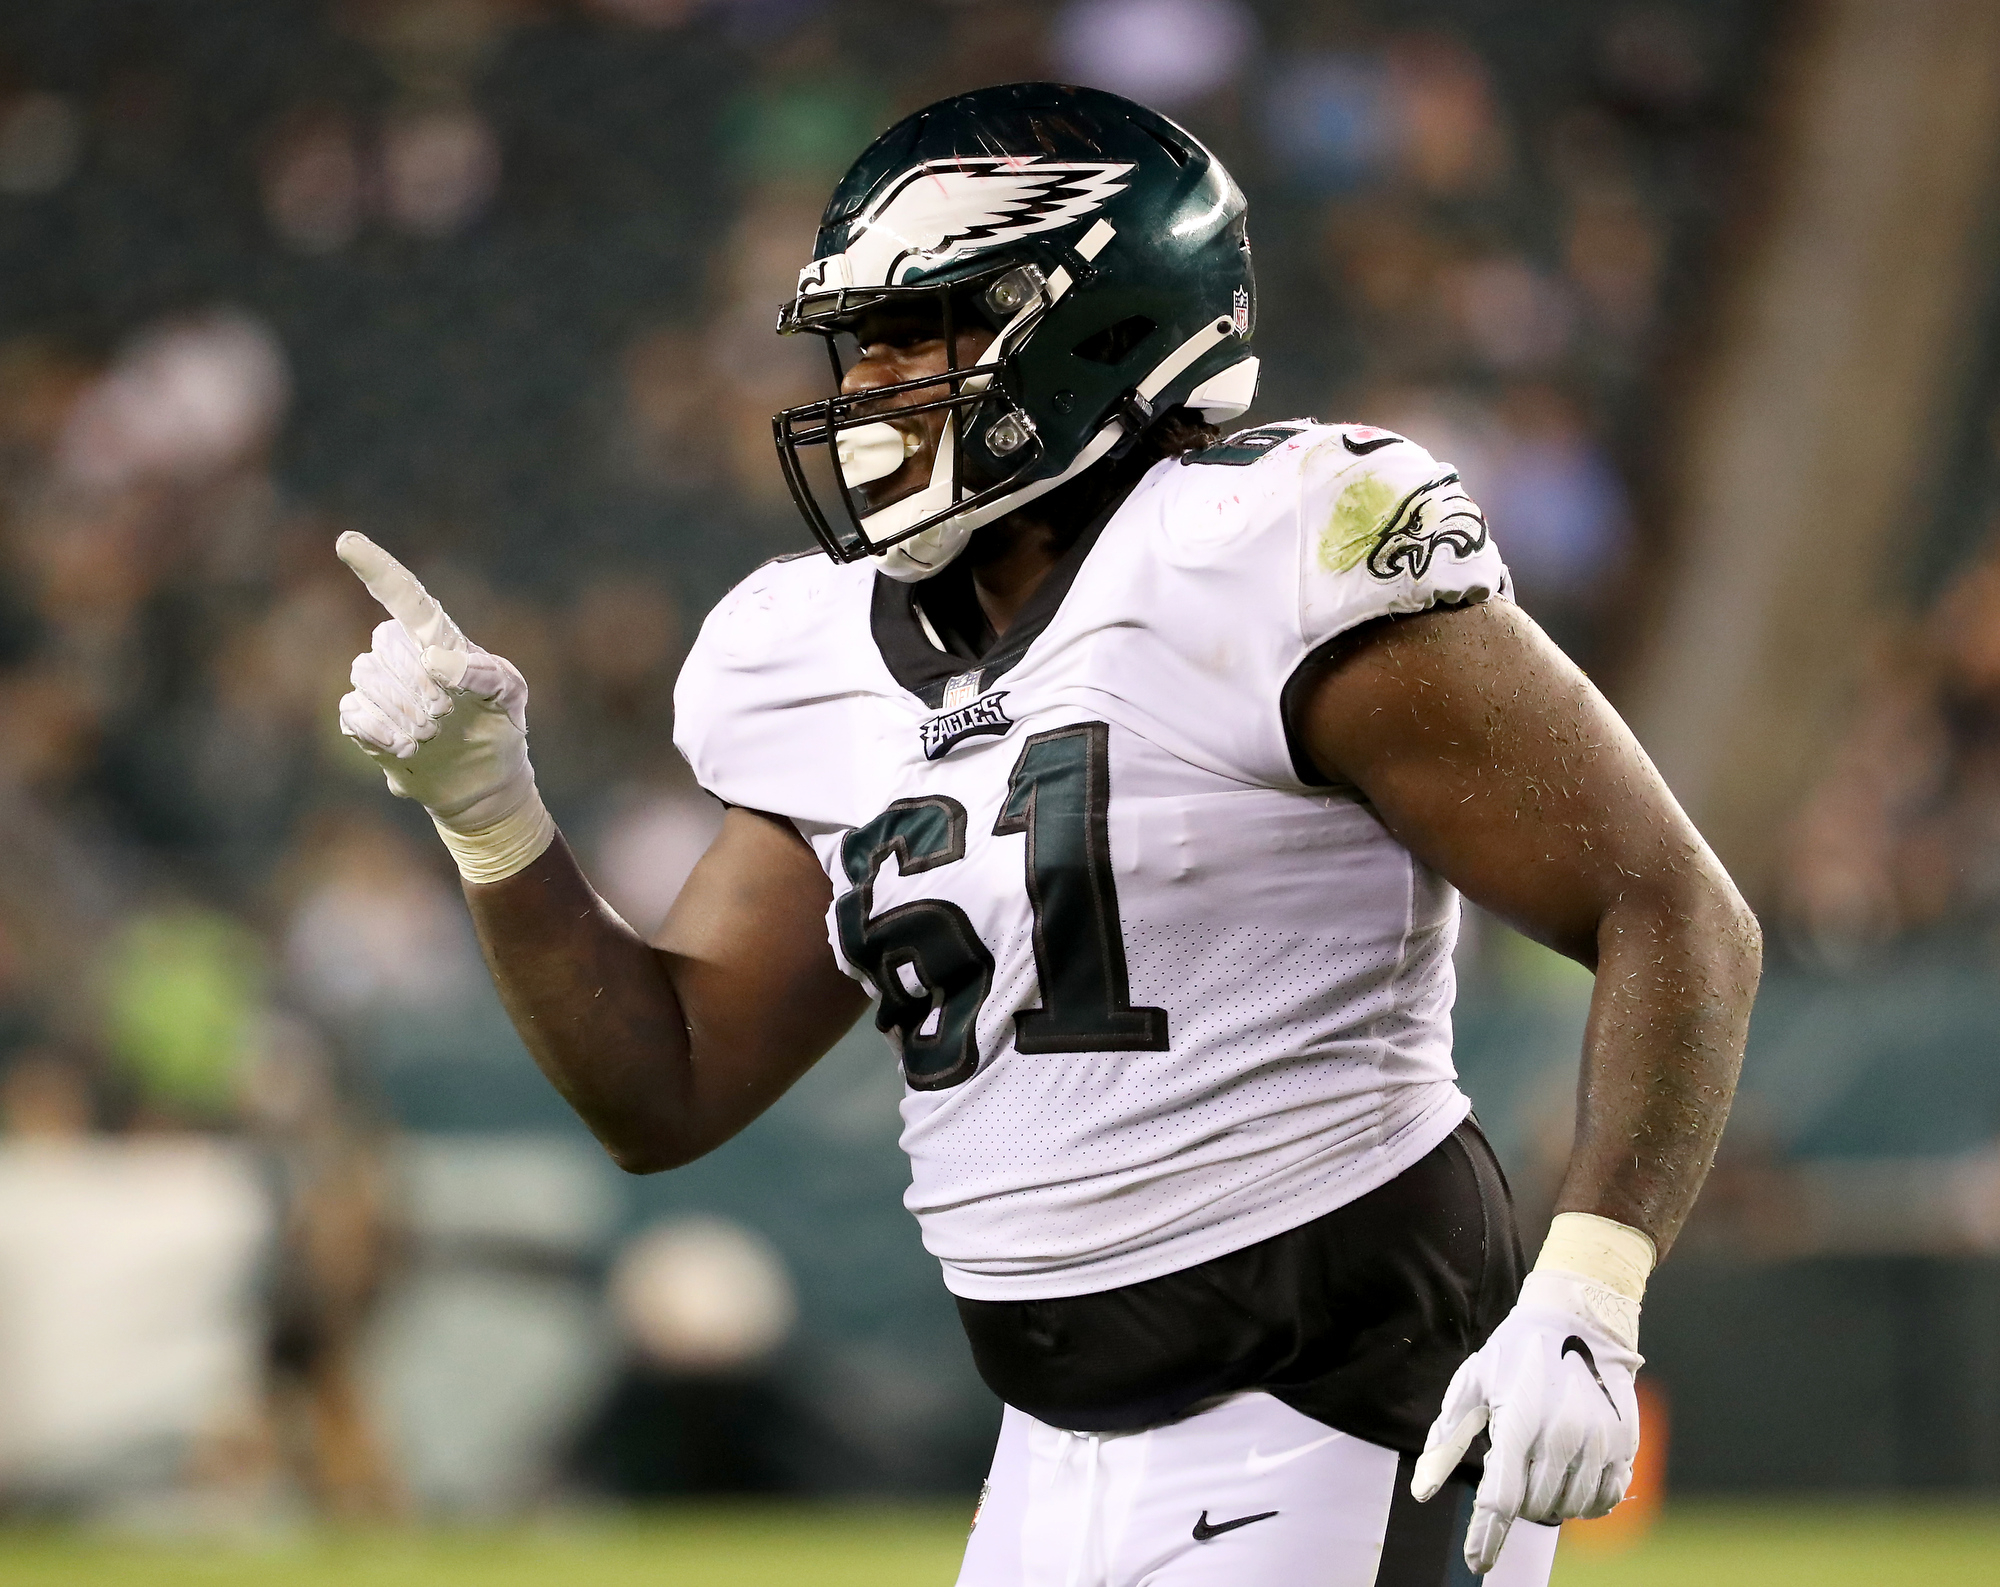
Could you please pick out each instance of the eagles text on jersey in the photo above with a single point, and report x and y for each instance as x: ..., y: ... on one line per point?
x: 1155, y: 996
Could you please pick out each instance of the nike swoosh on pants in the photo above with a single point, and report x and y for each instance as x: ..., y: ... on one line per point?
x: 1203, y: 1531
x: 1257, y: 1464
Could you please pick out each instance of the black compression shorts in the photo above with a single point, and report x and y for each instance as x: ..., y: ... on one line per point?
x: 1357, y: 1319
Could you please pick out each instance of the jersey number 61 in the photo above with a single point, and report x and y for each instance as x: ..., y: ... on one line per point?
x: 927, y: 963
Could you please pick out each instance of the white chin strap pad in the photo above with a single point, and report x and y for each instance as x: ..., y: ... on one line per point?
x: 918, y: 505
x: 917, y: 558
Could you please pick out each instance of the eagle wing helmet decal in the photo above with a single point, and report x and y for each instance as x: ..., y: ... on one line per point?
x: 939, y: 210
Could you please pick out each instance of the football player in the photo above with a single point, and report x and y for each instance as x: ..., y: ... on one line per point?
x: 1134, y: 774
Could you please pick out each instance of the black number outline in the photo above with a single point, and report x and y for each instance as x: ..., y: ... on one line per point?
x: 932, y: 936
x: 1086, y: 996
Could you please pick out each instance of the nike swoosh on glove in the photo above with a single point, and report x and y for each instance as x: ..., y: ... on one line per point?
x: 1553, y: 1388
x: 446, y: 720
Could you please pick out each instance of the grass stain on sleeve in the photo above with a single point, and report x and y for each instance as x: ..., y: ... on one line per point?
x: 1357, y: 519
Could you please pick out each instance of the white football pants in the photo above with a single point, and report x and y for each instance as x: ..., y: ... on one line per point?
x: 1248, y: 1493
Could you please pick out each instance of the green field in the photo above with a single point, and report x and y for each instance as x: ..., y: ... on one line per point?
x: 1830, y: 1544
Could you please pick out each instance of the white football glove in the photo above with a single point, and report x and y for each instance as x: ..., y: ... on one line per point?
x: 446, y: 721
x: 1553, y: 1388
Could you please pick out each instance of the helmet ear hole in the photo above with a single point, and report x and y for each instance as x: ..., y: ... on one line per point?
x: 1115, y: 343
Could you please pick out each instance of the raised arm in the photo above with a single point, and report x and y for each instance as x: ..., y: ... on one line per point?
x: 665, y: 1049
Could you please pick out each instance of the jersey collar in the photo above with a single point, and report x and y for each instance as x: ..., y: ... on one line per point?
x: 923, y: 669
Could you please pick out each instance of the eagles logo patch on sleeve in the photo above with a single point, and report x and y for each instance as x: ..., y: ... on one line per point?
x: 1399, y: 536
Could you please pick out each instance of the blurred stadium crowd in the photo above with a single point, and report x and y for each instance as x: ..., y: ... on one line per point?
x: 1901, y: 839
x: 494, y: 281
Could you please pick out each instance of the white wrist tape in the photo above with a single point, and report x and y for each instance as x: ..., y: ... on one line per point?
x: 1613, y: 1254
x: 497, y: 849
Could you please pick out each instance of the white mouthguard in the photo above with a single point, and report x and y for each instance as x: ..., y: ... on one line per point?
x: 869, y: 452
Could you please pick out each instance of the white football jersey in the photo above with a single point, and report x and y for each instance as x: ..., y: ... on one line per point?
x: 1156, y: 996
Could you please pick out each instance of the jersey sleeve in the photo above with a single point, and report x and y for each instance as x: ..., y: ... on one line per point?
x: 761, y: 704
x: 1241, y: 560
x: 1386, y: 529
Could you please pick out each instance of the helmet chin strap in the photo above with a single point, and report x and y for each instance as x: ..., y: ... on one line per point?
x: 934, y: 497
x: 922, y: 555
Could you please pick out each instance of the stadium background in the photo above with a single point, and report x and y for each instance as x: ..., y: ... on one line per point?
x: 1701, y: 298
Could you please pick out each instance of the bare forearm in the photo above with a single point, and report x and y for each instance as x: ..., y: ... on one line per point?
x: 1675, y: 982
x: 667, y: 1049
x: 592, y: 1000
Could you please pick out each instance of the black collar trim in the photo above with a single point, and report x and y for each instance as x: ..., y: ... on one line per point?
x: 919, y: 666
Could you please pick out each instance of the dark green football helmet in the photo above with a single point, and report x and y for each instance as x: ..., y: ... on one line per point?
x: 1102, y: 245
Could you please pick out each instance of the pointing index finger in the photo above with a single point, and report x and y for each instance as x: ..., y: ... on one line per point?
x: 402, y: 596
